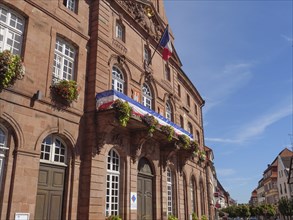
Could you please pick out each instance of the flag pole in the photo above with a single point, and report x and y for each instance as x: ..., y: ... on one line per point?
x: 158, y: 44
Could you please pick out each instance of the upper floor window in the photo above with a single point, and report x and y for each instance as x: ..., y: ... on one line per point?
x: 188, y: 99
x: 146, y: 96
x: 181, y: 121
x: 285, y: 188
x: 167, y: 73
x: 112, y: 190
x: 64, y: 60
x: 195, y: 109
x: 70, y: 4
x: 53, y: 150
x: 190, y: 128
x: 11, y: 30
x: 117, y: 80
x: 198, y: 137
x: 179, y: 91
x: 120, y: 31
x: 168, y: 111
x: 147, y: 54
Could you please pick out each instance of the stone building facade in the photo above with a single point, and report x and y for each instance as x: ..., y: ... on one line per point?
x: 80, y: 162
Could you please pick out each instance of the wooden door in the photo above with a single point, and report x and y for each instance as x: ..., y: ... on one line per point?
x: 144, y: 198
x: 50, y: 192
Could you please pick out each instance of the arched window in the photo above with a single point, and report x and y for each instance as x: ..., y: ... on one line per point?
x: 113, y: 174
x: 120, y: 31
x: 193, y: 195
x: 64, y: 60
x: 117, y: 80
x: 146, y: 96
x: 198, y: 137
x: 168, y: 111
x: 3, y: 149
x: 171, y: 193
x: 11, y: 30
x: 202, y: 198
x: 53, y: 150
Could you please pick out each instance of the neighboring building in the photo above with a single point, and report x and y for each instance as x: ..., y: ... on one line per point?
x: 80, y: 163
x: 260, y: 192
x: 285, y: 190
x: 253, y: 199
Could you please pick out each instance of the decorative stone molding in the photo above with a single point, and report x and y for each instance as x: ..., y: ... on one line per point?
x: 137, y: 141
x: 119, y: 46
x: 140, y: 13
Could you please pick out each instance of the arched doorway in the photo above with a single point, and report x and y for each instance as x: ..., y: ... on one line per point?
x: 144, y: 190
x: 52, y: 172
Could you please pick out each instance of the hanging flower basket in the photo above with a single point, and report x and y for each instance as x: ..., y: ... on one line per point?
x: 151, y: 122
x: 184, y: 142
x: 168, y: 131
x: 11, y: 69
x: 202, y: 156
x: 63, y: 93
x: 123, y: 111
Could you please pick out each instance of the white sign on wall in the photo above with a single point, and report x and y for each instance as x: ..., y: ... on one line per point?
x: 22, y: 216
x: 133, y: 201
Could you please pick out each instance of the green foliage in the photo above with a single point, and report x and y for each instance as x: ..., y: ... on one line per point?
x: 11, y: 69
x: 203, y: 217
x: 123, y: 110
x: 63, y: 93
x: 169, y: 131
x: 194, y: 216
x: 172, y: 217
x: 202, y: 156
x: 243, y: 211
x: 151, y: 122
x: 114, y: 217
x: 184, y: 141
x: 285, y: 206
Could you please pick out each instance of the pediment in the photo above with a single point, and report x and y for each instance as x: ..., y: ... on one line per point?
x: 145, y: 14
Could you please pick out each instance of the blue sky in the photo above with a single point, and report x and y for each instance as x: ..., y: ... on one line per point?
x: 238, y: 54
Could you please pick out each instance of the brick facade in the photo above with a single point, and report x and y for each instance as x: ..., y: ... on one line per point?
x: 89, y: 135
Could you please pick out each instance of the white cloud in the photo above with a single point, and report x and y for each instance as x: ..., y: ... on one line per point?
x: 226, y: 172
x: 256, y: 127
x: 289, y: 39
x: 222, y: 84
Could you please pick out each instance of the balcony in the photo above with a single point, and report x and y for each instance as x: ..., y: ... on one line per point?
x: 139, y: 128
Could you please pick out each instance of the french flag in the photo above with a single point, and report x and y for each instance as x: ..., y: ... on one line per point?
x: 165, y: 42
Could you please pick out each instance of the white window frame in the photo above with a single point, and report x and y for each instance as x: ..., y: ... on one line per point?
x: 10, y: 30
x: 112, y: 181
x: 55, y: 144
x: 192, y: 195
x: 64, y: 60
x: 70, y: 4
x: 119, y: 31
x: 3, y: 151
x: 168, y: 111
x: 147, y: 55
x: 146, y: 96
x: 169, y: 192
x: 117, y: 80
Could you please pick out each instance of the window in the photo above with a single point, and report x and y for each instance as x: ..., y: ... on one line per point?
x: 189, y: 128
x: 64, y: 59
x: 167, y: 73
x: 168, y: 111
x: 146, y: 96
x: 179, y: 91
x: 181, y: 121
x: 188, y: 99
x: 112, y: 193
x: 193, y: 195
x: 3, y: 149
x: 70, y: 4
x: 202, y: 198
x: 53, y: 150
x: 198, y: 137
x: 11, y: 30
x: 170, y: 193
x: 281, y: 191
x: 195, y: 109
x: 120, y: 31
x: 117, y: 80
x: 285, y: 188
x: 147, y: 54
